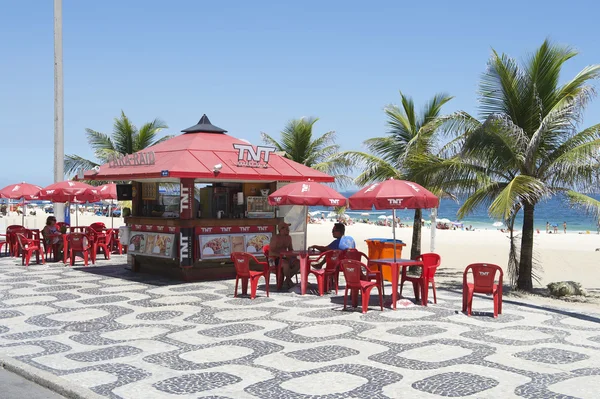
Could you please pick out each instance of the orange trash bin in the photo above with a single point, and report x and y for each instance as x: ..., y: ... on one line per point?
x: 381, y: 248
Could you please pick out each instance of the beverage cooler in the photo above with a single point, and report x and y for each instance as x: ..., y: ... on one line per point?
x: 258, y: 207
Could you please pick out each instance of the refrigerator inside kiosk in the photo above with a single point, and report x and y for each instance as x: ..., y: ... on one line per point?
x: 258, y: 207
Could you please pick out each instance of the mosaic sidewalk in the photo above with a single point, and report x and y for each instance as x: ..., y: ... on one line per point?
x: 126, y: 335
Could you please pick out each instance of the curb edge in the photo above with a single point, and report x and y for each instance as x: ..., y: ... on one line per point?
x: 47, y: 380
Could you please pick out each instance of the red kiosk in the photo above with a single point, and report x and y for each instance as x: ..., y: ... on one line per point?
x: 198, y: 197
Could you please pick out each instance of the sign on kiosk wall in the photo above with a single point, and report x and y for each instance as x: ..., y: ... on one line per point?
x: 186, y: 253
x: 186, y: 202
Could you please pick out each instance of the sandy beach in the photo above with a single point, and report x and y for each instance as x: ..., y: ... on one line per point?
x: 570, y: 256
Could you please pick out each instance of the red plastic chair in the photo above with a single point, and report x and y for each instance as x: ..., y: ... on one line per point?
x: 99, y: 240
x: 431, y: 262
x: 78, y: 243
x: 4, y: 244
x: 368, y: 274
x: 330, y: 272
x: 352, y: 273
x: 28, y: 246
x: 11, y: 238
x: 98, y: 226
x: 274, y: 266
x: 115, y: 242
x: 484, y: 277
x: 241, y: 261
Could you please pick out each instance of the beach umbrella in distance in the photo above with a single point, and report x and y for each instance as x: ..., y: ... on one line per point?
x: 498, y: 224
x: 381, y: 217
x: 19, y: 191
x: 394, y: 194
x: 307, y: 193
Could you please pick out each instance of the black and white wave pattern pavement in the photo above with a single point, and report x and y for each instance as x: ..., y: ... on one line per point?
x: 126, y: 335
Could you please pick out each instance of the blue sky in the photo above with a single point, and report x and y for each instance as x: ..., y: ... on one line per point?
x: 251, y: 66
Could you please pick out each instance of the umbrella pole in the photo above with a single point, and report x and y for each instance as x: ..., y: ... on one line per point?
x: 305, y: 228
x: 23, y: 213
x: 76, y: 215
x: 394, y: 231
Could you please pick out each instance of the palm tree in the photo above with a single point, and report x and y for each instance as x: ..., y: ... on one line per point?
x: 411, y: 143
x: 527, y: 148
x: 298, y: 144
x: 126, y: 139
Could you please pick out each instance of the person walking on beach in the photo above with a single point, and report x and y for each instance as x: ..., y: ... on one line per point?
x: 547, y: 227
x: 565, y: 227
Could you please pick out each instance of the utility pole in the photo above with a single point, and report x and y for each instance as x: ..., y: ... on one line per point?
x: 59, y: 143
x: 433, y: 229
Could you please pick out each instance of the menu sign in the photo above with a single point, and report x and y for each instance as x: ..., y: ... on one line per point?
x: 221, y: 246
x: 151, y: 244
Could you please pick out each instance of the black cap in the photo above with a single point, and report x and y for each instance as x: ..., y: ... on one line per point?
x: 204, y: 126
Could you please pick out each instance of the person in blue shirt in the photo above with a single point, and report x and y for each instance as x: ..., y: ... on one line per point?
x: 341, y: 242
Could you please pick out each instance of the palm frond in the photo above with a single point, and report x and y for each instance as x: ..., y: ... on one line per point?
x: 147, y: 134
x: 484, y: 195
x: 99, y: 142
x: 74, y: 163
x: 124, y: 135
x: 588, y: 205
x: 271, y: 141
x: 522, y: 189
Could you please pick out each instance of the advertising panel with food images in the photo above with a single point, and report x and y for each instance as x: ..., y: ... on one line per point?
x: 137, y: 243
x: 238, y: 243
x: 256, y: 241
x: 215, y: 246
x: 152, y: 244
x: 158, y: 244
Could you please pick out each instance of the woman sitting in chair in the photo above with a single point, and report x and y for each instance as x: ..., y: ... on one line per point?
x: 52, y: 234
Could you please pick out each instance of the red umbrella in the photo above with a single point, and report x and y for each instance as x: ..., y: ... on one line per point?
x: 106, y: 191
x: 307, y: 193
x: 20, y: 190
x: 69, y: 191
x: 394, y: 194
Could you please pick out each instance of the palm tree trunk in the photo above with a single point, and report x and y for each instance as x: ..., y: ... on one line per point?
x: 415, y: 249
x: 525, y: 280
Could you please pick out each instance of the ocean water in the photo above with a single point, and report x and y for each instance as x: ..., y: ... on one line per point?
x: 555, y: 211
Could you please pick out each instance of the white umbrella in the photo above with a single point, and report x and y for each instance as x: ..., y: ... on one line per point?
x: 498, y: 224
x: 389, y: 217
x: 444, y: 220
x: 382, y: 217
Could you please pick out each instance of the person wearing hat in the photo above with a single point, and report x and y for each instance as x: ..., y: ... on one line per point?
x: 280, y: 242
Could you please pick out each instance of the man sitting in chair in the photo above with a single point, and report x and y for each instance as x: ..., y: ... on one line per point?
x: 341, y: 242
